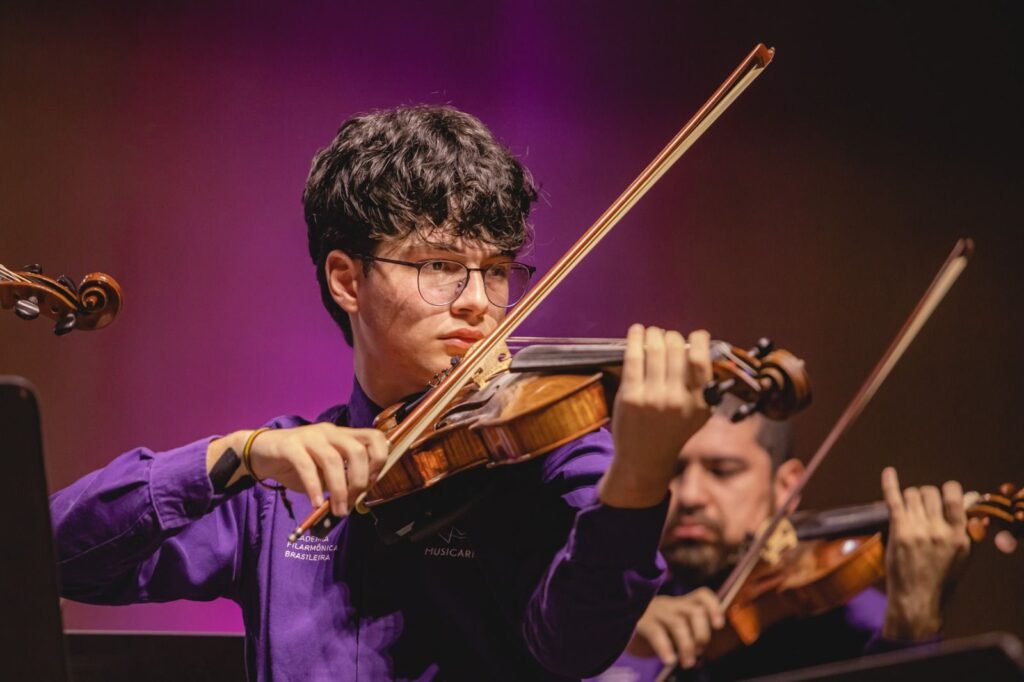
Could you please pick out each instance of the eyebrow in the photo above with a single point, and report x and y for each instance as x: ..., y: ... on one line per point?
x: 726, y: 459
x: 449, y: 247
x: 712, y: 460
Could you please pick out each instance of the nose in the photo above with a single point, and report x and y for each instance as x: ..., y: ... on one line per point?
x: 689, y: 488
x: 472, y: 300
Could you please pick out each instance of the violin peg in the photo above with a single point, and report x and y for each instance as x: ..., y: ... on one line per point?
x: 714, y: 391
x: 66, y: 281
x: 1005, y: 542
x: 65, y: 325
x: 35, y: 269
x: 764, y: 347
x: 27, y: 308
x: 1007, y: 489
x: 976, y: 528
x: 742, y: 412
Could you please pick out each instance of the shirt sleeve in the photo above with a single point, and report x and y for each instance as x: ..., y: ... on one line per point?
x: 149, y: 527
x: 582, y: 614
x: 867, y: 612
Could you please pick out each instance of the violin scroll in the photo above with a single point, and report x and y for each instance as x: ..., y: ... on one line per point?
x: 1001, y: 512
x: 768, y: 380
x: 92, y: 304
x: 100, y: 300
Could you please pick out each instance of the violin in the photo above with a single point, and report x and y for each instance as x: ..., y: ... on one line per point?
x: 433, y: 426
x: 92, y: 304
x: 550, y: 393
x: 818, y: 561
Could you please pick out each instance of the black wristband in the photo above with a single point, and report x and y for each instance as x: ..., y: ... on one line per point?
x: 223, y: 469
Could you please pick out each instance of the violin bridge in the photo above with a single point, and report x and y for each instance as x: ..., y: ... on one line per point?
x: 783, y: 539
x: 499, y: 361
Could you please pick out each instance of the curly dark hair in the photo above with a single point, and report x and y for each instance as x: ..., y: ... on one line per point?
x: 389, y: 174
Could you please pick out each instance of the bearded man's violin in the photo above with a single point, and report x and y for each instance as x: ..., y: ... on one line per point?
x: 818, y: 561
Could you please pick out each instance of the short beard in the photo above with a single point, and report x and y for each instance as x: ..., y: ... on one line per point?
x: 700, y: 564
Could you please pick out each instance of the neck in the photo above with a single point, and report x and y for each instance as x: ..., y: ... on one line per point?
x: 384, y: 380
x: 376, y: 387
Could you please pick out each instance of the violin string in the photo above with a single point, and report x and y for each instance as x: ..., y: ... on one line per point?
x: 11, y: 274
x: 563, y: 340
x: 719, y: 347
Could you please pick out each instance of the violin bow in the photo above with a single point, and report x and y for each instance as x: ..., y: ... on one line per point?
x: 474, y: 363
x: 933, y: 295
x: 944, y: 280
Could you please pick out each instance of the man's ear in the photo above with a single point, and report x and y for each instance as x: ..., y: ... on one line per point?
x: 786, y: 478
x: 343, y: 276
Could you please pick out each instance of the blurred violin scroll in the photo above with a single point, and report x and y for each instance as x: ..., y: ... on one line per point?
x: 91, y: 304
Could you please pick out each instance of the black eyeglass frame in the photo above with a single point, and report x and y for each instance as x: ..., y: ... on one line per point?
x: 419, y: 265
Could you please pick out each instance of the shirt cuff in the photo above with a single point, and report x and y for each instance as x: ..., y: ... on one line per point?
x: 179, y: 485
x: 615, y: 537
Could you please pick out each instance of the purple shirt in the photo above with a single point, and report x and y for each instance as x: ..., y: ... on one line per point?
x: 538, y: 581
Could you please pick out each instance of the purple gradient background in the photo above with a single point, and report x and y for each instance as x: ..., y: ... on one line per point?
x: 168, y: 145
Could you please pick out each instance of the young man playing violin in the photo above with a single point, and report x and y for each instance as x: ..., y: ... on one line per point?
x: 729, y: 479
x: 415, y: 217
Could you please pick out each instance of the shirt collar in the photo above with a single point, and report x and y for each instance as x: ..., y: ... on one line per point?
x: 361, y: 410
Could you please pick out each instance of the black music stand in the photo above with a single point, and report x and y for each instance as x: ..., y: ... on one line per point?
x: 993, y: 657
x: 31, y: 640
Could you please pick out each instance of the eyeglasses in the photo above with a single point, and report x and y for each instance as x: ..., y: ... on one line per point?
x: 442, y: 281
